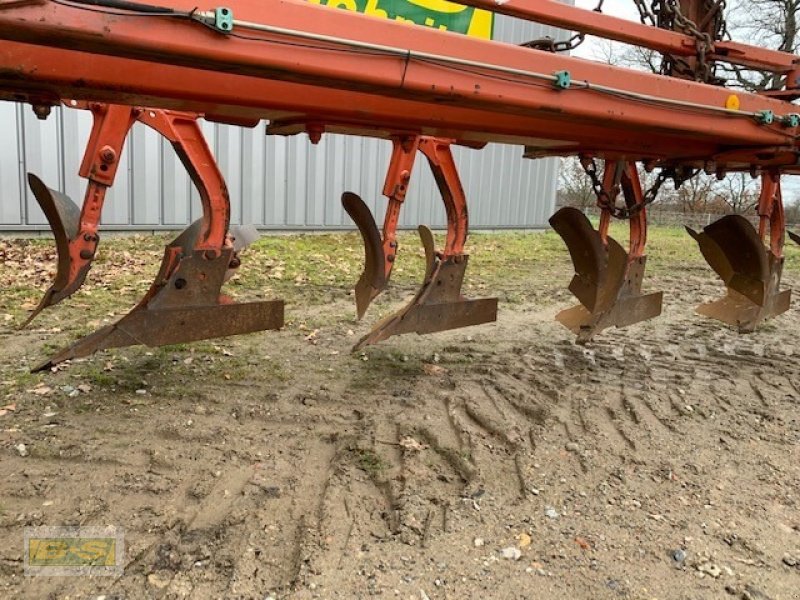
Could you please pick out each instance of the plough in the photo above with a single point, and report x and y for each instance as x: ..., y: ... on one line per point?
x: 309, y: 69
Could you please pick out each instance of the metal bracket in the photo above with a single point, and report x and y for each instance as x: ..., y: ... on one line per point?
x: 223, y: 19
x: 563, y: 80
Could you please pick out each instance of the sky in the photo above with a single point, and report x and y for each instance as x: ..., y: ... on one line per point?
x: 619, y: 8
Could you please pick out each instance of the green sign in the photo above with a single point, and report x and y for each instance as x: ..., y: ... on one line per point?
x: 439, y: 14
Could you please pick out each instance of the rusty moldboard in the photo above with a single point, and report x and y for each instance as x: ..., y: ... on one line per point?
x: 607, y: 283
x: 373, y: 279
x: 751, y: 273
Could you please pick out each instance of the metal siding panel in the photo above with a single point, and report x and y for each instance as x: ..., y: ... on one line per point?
x: 317, y: 175
x: 146, y: 188
x: 252, y: 174
x: 175, y: 194
x: 41, y: 152
x: 296, y: 188
x: 276, y: 180
x: 10, y: 181
x: 75, y: 128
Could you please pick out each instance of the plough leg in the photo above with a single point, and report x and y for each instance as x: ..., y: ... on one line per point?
x: 439, y: 305
x: 380, y: 250
x: 750, y: 270
x: 608, y: 280
x: 75, y: 229
x: 184, y: 302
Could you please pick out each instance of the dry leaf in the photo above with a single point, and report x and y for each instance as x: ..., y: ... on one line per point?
x: 433, y: 369
x: 584, y: 544
x: 409, y: 443
x: 41, y: 390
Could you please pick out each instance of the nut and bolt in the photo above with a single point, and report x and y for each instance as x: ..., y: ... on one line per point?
x: 108, y: 155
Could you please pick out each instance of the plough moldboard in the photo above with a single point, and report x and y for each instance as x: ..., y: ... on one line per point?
x: 311, y: 70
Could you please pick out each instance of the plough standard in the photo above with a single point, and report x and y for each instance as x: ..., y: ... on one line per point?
x: 309, y: 69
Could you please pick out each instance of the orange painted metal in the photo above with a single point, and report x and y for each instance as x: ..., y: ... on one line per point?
x: 381, y: 248
x: 440, y: 158
x: 404, y: 154
x: 637, y: 118
x: 183, y: 131
x: 551, y: 12
x: 772, y: 219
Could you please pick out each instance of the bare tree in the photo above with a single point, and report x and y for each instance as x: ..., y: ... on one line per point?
x: 574, y: 186
x: 765, y: 23
x: 740, y: 192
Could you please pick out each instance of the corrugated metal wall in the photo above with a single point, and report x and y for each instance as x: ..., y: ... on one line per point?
x: 275, y: 182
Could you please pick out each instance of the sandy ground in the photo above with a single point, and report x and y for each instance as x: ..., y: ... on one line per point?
x: 501, y: 461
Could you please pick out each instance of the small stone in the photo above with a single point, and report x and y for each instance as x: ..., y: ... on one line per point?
x: 158, y: 581
x: 524, y: 540
x: 478, y: 542
x: 551, y: 513
x: 710, y: 569
x: 511, y: 553
x: 789, y: 560
x: 679, y: 555
x: 573, y: 447
x: 141, y: 392
x: 21, y: 449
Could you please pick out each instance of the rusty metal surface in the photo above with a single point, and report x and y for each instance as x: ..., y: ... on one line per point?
x: 183, y: 305
x: 607, y: 283
x: 732, y: 247
x: 626, y: 306
x: 438, y: 305
x: 596, y: 267
x: 741, y: 311
x: 373, y: 279
x: 63, y: 215
x: 750, y: 271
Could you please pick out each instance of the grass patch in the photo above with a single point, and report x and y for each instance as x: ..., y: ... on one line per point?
x: 370, y: 462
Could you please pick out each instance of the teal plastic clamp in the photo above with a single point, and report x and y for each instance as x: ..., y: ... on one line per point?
x: 223, y: 19
x: 563, y: 80
x: 765, y: 117
x: 791, y: 120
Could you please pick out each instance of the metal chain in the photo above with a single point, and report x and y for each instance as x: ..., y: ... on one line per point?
x: 548, y: 44
x: 605, y: 202
x: 666, y: 14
